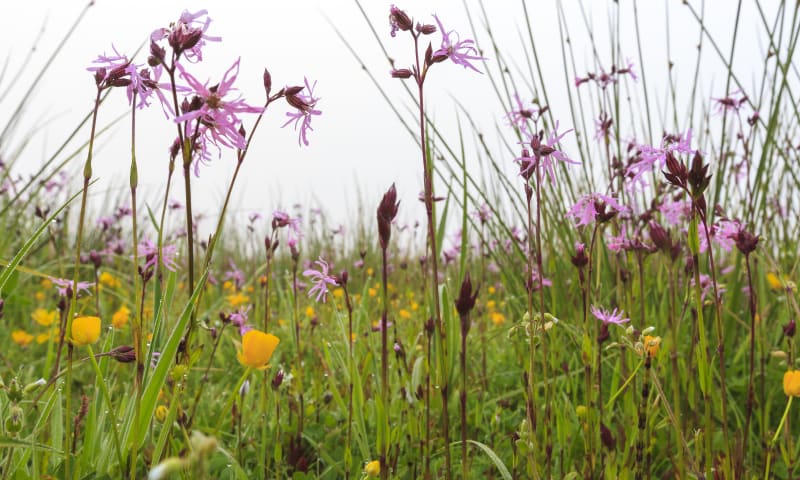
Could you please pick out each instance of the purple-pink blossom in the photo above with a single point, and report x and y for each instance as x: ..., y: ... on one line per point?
x: 522, y: 115
x: 655, y: 157
x: 590, y: 206
x: 216, y: 118
x: 187, y: 35
x: 615, y: 316
x: 544, y: 154
x: 63, y: 286
x: 149, y: 250
x: 321, y: 279
x: 460, y: 52
x: 304, y: 110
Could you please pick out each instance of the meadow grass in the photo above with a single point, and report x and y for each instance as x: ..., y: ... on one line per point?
x: 596, y: 290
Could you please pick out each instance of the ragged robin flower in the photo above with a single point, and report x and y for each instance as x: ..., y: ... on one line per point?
x: 257, y: 348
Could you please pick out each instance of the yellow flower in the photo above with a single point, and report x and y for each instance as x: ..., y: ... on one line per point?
x: 404, y: 314
x: 414, y: 306
x: 372, y: 292
x: 309, y: 311
x: 121, y: 317
x: 373, y: 468
x: 85, y: 330
x: 21, y: 337
x: 39, y: 296
x: 109, y: 280
x: 257, y: 348
x: 491, y: 290
x: 338, y: 292
x: 370, y: 271
x: 651, y: 345
x: 498, y: 318
x: 237, y: 299
x: 47, y: 283
x: 791, y: 383
x: 42, y: 338
x: 250, y: 289
x: 43, y: 317
x: 491, y: 304
x: 353, y: 337
x: 161, y: 413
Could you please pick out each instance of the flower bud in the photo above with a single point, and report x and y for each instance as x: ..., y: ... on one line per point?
x: 267, y: 81
x: 401, y: 73
x: 386, y: 212
x: 15, y: 419
x: 426, y: 28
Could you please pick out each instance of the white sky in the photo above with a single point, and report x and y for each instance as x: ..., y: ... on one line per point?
x: 358, y: 147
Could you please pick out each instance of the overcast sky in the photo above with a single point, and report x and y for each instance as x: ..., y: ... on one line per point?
x: 357, y: 147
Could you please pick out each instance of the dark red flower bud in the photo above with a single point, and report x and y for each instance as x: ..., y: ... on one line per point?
x: 267, y: 81
x: 660, y: 237
x: 746, y: 242
x: 401, y: 73
x: 580, y: 259
x: 399, y: 20
x: 426, y: 28
x: 466, y: 297
x: 386, y: 212
x: 676, y: 173
x: 277, y: 380
x: 790, y: 328
x: 123, y: 354
x: 698, y: 176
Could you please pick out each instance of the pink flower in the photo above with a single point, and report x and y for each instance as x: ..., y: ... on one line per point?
x: 304, y: 111
x: 217, y: 116
x: 149, y: 250
x: 675, y: 212
x: 653, y: 157
x: 63, y: 286
x: 522, y: 115
x: 544, y: 153
x: 607, y: 317
x: 187, y: 35
x: 590, y: 207
x: 458, y: 51
x: 321, y: 279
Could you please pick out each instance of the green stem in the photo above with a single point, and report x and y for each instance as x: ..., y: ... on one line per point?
x: 107, y: 398
x: 775, y: 437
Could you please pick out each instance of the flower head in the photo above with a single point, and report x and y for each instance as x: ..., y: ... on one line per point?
x: 304, y: 105
x: 217, y: 115
x: 543, y: 154
x: 460, y: 52
x: 594, y: 206
x: 64, y: 286
x: 373, y: 469
x: 791, y: 383
x: 186, y: 36
x: 607, y: 317
x: 121, y: 317
x: 85, y: 330
x: 43, y: 317
x: 21, y: 338
x: 321, y: 279
x: 257, y: 348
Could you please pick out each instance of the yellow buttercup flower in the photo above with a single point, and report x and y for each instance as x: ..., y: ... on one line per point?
x: 109, y: 280
x: 791, y: 383
x: 498, y: 318
x: 85, y: 330
x: 39, y: 296
x: 121, y: 317
x: 338, y: 292
x: 373, y: 468
x: 372, y: 292
x: 237, y: 299
x: 161, y: 413
x: 43, y: 317
x: 257, y: 348
x: 309, y: 311
x: 651, y: 345
x: 21, y: 337
x: 404, y: 314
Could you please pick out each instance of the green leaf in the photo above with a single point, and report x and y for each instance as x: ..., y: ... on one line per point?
x: 501, y: 467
